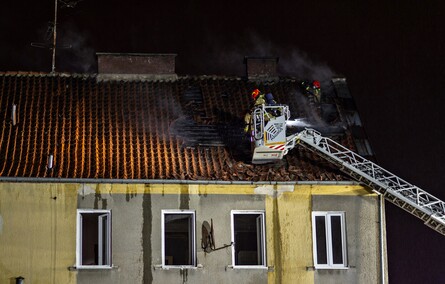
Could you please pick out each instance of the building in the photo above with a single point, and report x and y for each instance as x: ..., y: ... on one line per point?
x: 138, y: 175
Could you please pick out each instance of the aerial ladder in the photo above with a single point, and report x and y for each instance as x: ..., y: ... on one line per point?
x: 270, y: 144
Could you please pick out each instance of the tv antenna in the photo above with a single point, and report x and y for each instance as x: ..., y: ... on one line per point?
x: 51, y: 32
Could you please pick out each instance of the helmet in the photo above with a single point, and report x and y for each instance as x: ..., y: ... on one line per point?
x: 255, y: 93
x: 269, y: 98
x: 316, y: 84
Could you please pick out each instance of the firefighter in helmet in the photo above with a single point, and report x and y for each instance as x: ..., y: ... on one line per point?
x: 259, y: 99
x: 316, y: 89
x: 312, y: 90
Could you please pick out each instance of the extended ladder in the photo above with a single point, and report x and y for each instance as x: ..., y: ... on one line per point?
x: 409, y: 197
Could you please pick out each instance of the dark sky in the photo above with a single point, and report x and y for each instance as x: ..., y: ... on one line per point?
x: 391, y: 52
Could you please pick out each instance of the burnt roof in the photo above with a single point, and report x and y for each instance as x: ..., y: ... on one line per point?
x: 189, y: 128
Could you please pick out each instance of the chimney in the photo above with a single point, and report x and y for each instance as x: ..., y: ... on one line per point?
x: 261, y: 68
x: 136, y: 65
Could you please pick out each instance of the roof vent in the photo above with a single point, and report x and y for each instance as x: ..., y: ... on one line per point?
x: 136, y: 65
x: 50, y: 162
x: 14, y: 114
x: 261, y: 68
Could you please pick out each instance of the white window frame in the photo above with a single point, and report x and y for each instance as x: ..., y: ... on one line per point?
x: 193, y: 233
x: 107, y: 214
x: 328, y: 229
x: 261, y: 237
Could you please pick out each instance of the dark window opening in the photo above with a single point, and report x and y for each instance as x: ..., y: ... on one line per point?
x: 249, y: 239
x: 320, y: 228
x: 336, y: 237
x: 94, y: 238
x: 179, y: 239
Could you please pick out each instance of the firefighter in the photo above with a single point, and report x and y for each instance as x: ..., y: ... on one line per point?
x: 260, y: 99
x: 312, y: 90
x: 316, y: 90
x: 270, y: 100
x: 247, y: 122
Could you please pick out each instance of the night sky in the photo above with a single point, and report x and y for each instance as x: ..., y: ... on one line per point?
x: 391, y: 52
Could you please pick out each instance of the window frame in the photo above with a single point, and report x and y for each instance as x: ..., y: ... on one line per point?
x: 262, y: 214
x: 328, y: 238
x: 79, y: 234
x: 193, y: 231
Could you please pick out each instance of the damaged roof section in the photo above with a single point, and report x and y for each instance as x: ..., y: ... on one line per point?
x: 189, y: 128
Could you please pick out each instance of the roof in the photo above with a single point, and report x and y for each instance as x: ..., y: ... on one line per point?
x: 189, y: 128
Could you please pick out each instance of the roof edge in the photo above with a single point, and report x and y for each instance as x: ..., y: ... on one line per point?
x: 169, y: 181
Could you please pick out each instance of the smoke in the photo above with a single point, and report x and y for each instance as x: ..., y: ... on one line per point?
x: 298, y: 63
x: 74, y: 51
x: 227, y: 58
x: 299, y: 122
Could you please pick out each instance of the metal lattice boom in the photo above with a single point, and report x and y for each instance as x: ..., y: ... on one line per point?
x: 407, y: 196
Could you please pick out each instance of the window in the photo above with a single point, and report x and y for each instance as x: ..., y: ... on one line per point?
x: 93, y: 239
x: 329, y: 238
x: 178, y: 238
x: 248, y: 237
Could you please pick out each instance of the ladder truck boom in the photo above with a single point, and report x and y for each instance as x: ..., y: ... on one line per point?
x: 428, y: 208
x: 270, y: 143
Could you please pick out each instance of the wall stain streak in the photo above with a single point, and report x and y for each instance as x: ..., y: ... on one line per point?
x: 277, y: 243
x: 104, y: 203
x: 184, y: 275
x: 146, y: 236
x: 129, y: 194
x: 97, y: 197
x: 184, y: 198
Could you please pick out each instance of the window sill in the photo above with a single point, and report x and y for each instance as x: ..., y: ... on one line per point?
x: 259, y: 267
x: 180, y: 267
x: 312, y: 268
x: 92, y: 267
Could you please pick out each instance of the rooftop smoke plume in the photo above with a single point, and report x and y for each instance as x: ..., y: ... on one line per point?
x: 77, y: 55
x: 227, y: 58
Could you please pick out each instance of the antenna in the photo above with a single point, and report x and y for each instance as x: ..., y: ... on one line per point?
x: 53, y: 65
x: 52, y: 29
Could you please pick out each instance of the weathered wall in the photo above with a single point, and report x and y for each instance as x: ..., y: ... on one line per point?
x: 215, y: 265
x: 289, y: 228
x: 37, y: 232
x: 362, y: 234
x: 289, y: 236
x: 127, y: 224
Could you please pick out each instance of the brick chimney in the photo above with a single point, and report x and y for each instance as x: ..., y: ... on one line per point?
x: 136, y: 65
x: 261, y: 68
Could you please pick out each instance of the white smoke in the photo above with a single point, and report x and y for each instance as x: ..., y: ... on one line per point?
x: 74, y: 51
x: 297, y: 63
x: 227, y: 58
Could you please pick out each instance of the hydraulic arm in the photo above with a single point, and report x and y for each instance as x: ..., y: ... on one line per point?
x: 407, y: 196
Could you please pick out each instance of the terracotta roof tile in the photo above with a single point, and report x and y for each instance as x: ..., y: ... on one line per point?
x: 189, y: 128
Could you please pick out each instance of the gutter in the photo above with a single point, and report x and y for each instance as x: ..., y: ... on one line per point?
x: 167, y: 181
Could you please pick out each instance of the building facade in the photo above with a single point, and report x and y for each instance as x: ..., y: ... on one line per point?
x: 191, y: 233
x: 139, y: 175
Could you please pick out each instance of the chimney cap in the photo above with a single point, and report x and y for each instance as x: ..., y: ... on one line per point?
x: 135, y: 54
